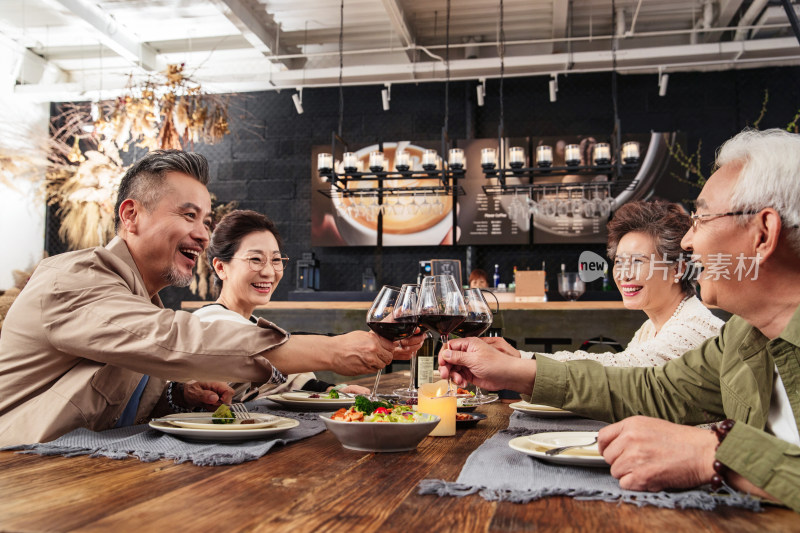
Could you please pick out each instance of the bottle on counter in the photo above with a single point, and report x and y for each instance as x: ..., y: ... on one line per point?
x: 496, y: 277
x: 425, y: 359
x: 606, y: 281
x: 546, y: 286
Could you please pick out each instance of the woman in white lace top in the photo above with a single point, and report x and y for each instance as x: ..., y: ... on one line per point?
x: 651, y: 273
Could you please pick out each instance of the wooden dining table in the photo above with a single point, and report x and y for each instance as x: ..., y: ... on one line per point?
x: 317, y: 485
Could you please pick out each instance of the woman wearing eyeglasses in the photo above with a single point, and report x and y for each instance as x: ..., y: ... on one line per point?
x: 644, y: 243
x: 245, y: 256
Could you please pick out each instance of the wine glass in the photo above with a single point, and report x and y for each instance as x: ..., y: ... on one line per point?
x: 392, y: 317
x: 570, y: 285
x: 406, y: 309
x: 479, y: 319
x: 441, y: 307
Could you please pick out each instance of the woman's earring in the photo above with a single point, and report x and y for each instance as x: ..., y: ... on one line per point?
x: 677, y: 279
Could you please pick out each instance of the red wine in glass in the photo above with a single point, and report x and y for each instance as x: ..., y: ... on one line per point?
x: 471, y: 328
x: 442, y: 324
x: 402, y: 328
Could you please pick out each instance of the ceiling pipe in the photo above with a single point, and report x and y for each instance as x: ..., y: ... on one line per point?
x: 743, y: 28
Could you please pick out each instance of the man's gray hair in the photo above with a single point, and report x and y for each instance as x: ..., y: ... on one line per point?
x: 144, y: 180
x: 770, y: 176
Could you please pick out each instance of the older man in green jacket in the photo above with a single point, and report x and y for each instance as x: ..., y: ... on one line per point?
x: 746, y: 236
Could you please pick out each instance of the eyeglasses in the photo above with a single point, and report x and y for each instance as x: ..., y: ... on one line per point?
x: 257, y: 262
x: 706, y: 216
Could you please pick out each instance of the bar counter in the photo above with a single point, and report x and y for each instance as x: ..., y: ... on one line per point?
x: 535, y: 326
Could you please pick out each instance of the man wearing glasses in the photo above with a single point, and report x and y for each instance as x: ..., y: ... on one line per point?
x: 88, y: 343
x: 749, y: 374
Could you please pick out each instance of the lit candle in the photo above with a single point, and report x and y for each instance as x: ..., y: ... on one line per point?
x: 444, y: 408
x: 456, y: 158
x: 429, y: 158
x: 488, y: 158
x: 572, y: 155
x: 544, y: 155
x: 516, y: 157
x: 602, y: 154
x: 402, y: 161
x: 630, y: 152
x: 324, y: 163
x: 376, y: 161
x: 350, y: 162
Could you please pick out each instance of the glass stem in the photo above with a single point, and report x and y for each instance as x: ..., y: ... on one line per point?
x: 449, y: 381
x: 375, y: 387
x: 413, y: 365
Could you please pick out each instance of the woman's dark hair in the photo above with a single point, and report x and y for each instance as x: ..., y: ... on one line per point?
x: 230, y: 231
x: 144, y: 180
x: 665, y: 222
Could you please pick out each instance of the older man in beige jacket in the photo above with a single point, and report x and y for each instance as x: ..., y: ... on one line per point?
x: 88, y: 341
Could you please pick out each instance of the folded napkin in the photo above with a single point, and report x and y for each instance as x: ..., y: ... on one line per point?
x: 499, y: 473
x: 149, y: 445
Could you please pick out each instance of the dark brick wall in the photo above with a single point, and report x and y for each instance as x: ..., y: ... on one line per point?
x: 265, y: 164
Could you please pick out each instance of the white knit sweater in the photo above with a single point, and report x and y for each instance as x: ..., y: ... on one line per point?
x: 686, y: 329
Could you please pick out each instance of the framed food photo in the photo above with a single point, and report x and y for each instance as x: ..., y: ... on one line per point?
x: 351, y: 218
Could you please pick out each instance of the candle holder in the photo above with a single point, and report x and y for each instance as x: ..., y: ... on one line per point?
x: 350, y: 162
x: 432, y: 400
x: 630, y: 153
x: 488, y: 158
x: 572, y: 155
x: 602, y: 154
x: 402, y: 161
x: 516, y: 157
x: 376, y: 161
x: 544, y: 156
x: 456, y: 159
x: 429, y: 158
x: 325, y: 163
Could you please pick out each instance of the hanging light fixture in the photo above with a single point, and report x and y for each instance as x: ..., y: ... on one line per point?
x: 481, y: 91
x: 297, y: 98
x: 386, y: 96
x: 554, y: 87
x: 663, y: 79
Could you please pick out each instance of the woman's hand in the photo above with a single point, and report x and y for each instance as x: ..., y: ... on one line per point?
x: 405, y: 348
x: 502, y: 345
x: 206, y: 394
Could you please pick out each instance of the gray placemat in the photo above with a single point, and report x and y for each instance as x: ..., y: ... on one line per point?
x: 149, y: 445
x: 499, y: 473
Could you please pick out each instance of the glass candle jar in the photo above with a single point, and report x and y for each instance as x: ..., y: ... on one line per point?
x: 572, y: 155
x: 516, y: 157
x: 402, y: 161
x: 630, y: 152
x: 376, y: 162
x: 429, y: 158
x: 324, y: 163
x: 350, y: 162
x: 544, y: 156
x: 456, y: 158
x: 602, y: 154
x: 488, y: 158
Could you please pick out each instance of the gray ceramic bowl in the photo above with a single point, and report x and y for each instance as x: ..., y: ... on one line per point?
x: 380, y: 436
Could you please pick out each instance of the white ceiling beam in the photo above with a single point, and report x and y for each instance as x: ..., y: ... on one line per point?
x: 710, y: 56
x: 400, y: 25
x: 260, y: 29
x: 113, y: 34
x: 560, y: 20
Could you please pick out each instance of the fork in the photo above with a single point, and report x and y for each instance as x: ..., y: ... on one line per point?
x: 556, y: 451
x: 240, y: 411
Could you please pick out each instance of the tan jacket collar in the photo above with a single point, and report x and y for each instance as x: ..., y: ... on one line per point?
x: 119, y: 248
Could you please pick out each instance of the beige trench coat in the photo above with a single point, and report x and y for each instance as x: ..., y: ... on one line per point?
x: 79, y: 337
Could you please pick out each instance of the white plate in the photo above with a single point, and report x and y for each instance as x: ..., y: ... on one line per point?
x: 205, y: 421
x: 536, y: 446
x: 542, y: 411
x: 302, y: 400
x: 283, y: 424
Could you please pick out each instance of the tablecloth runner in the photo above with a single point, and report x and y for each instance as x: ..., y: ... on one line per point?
x: 499, y: 473
x: 149, y: 445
